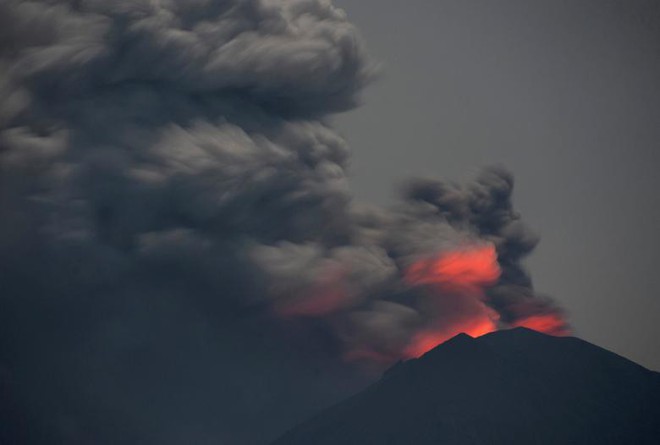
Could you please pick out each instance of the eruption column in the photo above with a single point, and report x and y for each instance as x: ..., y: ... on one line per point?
x: 456, y: 281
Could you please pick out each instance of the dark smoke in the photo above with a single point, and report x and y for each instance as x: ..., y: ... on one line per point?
x: 179, y: 251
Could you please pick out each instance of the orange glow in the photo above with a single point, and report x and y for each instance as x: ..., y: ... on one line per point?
x: 426, y: 340
x: 467, y: 269
x: 552, y: 324
x: 456, y: 281
x: 450, y: 299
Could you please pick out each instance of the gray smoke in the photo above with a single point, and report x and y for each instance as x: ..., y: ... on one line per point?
x: 174, y: 204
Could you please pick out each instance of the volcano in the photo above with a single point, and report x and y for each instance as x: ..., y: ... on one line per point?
x: 508, y: 387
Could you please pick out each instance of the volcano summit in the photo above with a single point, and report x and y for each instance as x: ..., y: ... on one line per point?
x: 509, y: 387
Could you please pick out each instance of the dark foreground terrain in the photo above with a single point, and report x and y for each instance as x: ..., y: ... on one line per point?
x: 509, y: 387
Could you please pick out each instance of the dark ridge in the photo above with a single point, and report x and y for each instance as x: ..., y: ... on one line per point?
x: 509, y: 387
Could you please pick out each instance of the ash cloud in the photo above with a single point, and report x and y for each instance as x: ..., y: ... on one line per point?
x: 177, y: 228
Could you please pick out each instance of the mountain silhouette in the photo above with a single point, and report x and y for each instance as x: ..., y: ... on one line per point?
x: 509, y: 387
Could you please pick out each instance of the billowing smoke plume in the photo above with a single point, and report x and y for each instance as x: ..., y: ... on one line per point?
x: 157, y: 148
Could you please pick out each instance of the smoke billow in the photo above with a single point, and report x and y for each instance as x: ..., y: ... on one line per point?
x: 168, y: 174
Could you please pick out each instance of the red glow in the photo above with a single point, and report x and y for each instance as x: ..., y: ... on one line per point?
x: 450, y: 299
x: 467, y: 269
x: 426, y: 340
x: 552, y: 324
x: 456, y: 280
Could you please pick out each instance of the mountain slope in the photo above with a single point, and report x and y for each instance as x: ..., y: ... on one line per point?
x: 509, y: 387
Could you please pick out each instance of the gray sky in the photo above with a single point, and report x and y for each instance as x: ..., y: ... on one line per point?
x: 566, y: 95
x: 179, y: 259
